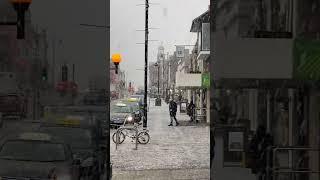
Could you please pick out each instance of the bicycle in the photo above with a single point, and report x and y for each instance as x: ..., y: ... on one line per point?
x: 143, y: 136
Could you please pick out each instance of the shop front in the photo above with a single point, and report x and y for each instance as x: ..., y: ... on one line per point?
x: 196, y: 86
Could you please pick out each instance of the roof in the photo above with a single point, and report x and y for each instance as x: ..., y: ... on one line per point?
x: 196, y: 23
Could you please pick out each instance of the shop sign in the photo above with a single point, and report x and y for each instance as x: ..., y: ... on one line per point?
x: 206, y: 80
x: 306, y: 60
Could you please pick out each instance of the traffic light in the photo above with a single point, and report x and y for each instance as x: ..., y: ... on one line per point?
x: 44, y: 74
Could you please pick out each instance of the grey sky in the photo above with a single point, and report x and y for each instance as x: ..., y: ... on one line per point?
x: 172, y: 17
x: 84, y: 46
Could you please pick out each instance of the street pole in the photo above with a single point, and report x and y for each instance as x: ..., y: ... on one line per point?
x: 107, y: 23
x: 162, y: 77
x: 73, y: 80
x: 146, y: 65
x: 53, y: 61
x: 73, y: 69
x: 159, y: 80
x: 169, y: 84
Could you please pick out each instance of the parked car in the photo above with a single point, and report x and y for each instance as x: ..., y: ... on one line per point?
x: 85, y: 135
x: 138, y: 111
x: 37, y: 156
x: 140, y: 99
x: 122, y: 114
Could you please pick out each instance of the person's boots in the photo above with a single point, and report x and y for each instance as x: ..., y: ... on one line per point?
x: 170, y: 124
x: 191, y: 119
x: 177, y: 124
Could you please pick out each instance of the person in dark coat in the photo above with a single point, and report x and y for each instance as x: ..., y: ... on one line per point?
x: 173, y: 112
x: 190, y: 110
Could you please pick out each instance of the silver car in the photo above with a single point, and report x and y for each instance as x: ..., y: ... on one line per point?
x: 120, y: 113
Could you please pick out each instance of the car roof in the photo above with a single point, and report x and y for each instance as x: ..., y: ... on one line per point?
x: 77, y: 117
x: 121, y: 104
x: 34, y: 136
x: 83, y: 109
x: 67, y: 124
x: 133, y: 99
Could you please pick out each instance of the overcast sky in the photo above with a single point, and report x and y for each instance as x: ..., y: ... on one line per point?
x: 172, y: 17
x: 85, y: 46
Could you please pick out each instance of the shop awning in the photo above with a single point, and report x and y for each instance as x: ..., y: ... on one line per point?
x: 192, y: 80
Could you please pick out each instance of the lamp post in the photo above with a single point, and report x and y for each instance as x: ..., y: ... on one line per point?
x: 158, y: 66
x: 20, y: 6
x: 158, y: 99
x: 116, y: 59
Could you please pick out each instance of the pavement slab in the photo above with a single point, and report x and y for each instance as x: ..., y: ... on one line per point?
x: 163, y: 174
x: 177, y: 152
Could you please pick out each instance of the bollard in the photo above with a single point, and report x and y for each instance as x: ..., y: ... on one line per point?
x: 136, y: 139
x: 117, y: 138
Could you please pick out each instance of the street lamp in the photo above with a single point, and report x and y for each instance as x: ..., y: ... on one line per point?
x: 20, y: 6
x: 158, y: 99
x: 116, y: 59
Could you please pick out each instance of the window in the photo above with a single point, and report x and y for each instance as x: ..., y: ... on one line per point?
x: 205, y: 37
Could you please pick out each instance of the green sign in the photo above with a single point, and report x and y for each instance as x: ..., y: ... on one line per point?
x: 206, y: 80
x: 306, y: 60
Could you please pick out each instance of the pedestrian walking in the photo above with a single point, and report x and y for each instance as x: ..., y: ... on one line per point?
x: 173, y: 112
x: 190, y: 110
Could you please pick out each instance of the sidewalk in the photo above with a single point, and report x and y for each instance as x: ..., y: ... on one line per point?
x: 177, y: 152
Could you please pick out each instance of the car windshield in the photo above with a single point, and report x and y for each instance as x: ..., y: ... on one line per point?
x: 134, y: 106
x: 37, y: 151
x: 77, y: 138
x: 121, y: 109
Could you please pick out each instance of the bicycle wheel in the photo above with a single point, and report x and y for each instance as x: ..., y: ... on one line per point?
x: 143, y: 138
x: 122, y: 137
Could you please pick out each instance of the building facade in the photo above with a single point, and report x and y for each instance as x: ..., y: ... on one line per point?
x: 267, y: 86
x: 25, y: 58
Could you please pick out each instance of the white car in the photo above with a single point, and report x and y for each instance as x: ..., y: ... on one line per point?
x: 37, y: 156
